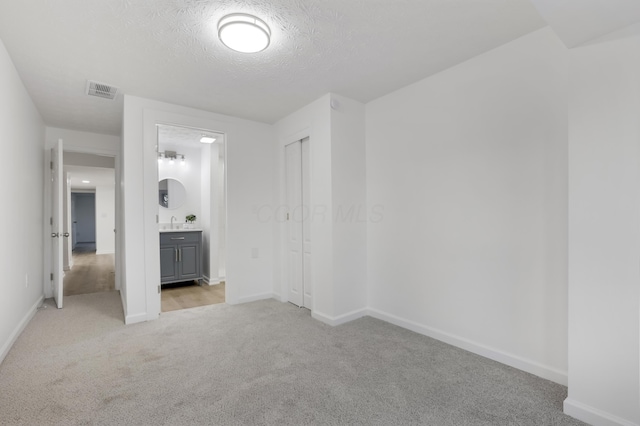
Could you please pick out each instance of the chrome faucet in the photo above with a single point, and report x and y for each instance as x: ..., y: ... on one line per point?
x: 172, y: 218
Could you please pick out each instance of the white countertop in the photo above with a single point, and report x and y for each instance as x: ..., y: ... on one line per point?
x: 180, y: 230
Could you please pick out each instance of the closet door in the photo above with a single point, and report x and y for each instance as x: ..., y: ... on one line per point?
x: 306, y: 224
x: 298, y: 223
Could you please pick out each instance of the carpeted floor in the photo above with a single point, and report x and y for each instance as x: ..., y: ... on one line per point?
x: 262, y: 363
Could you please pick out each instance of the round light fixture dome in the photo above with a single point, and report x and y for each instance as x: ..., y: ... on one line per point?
x: 244, y: 33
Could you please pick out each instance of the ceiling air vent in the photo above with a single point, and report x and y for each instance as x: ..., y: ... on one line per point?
x: 101, y: 90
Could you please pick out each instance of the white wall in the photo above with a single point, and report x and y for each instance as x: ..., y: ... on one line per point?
x: 79, y: 141
x: 350, y: 216
x: 604, y: 230
x: 88, y: 160
x: 210, y: 218
x: 467, y: 185
x: 22, y: 135
x: 249, y: 184
x: 221, y: 204
x: 189, y: 174
x: 205, y: 217
x: 338, y: 235
x: 105, y: 219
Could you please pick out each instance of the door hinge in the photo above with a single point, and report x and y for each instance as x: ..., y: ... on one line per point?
x: 158, y: 289
x: 287, y: 216
x: 51, y: 164
x: 52, y: 276
x: 51, y: 221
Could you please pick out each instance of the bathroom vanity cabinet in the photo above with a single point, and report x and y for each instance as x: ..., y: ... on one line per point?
x: 180, y: 256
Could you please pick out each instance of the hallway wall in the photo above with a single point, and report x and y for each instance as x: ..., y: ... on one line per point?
x: 22, y: 135
x: 105, y: 219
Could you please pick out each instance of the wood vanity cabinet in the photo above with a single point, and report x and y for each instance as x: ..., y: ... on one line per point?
x: 180, y: 256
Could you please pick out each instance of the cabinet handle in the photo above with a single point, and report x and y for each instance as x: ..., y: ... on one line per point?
x: 179, y: 255
x: 176, y: 254
x: 177, y: 238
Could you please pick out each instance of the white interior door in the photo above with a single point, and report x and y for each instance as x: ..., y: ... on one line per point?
x: 298, y: 223
x: 57, y: 230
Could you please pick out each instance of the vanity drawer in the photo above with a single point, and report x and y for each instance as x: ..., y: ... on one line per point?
x: 179, y: 237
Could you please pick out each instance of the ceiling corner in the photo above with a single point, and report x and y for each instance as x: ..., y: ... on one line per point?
x: 578, y: 21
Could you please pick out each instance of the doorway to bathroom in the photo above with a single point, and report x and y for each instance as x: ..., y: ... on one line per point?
x: 191, y: 216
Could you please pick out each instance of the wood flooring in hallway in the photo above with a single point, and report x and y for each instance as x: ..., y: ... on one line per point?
x: 90, y: 273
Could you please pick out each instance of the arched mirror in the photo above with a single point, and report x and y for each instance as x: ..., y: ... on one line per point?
x: 171, y: 193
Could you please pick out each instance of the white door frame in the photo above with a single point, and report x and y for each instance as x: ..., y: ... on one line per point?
x: 151, y: 118
x: 300, y: 211
x: 47, y: 285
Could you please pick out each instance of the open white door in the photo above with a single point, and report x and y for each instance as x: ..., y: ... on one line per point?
x: 57, y: 230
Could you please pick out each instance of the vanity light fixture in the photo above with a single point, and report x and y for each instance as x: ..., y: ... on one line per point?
x: 86, y: 181
x: 171, y: 155
x: 207, y: 139
x: 244, y: 33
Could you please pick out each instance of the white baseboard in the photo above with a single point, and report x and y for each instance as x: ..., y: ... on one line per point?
x: 211, y: 281
x: 134, y: 319
x: 6, y: 347
x: 340, y: 319
x: 546, y: 372
x: 593, y: 416
x: 69, y: 266
x: 105, y: 252
x: 256, y: 297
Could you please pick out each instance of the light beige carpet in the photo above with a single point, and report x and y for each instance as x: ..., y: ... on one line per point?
x: 262, y: 363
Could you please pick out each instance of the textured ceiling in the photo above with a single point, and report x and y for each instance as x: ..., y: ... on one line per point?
x: 168, y: 50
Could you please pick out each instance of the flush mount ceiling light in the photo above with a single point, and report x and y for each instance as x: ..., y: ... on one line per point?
x: 244, y: 33
x: 207, y: 139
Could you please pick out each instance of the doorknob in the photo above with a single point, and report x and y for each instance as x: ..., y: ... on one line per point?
x: 66, y: 234
x: 54, y: 235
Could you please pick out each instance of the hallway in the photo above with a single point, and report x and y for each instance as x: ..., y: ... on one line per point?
x: 90, y: 273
